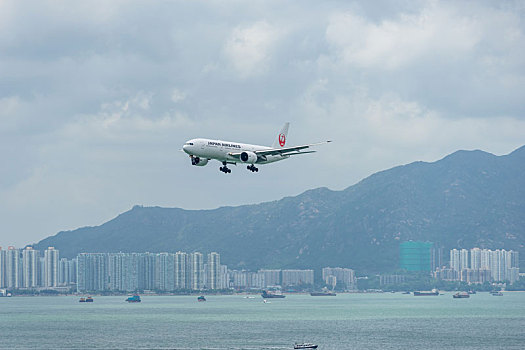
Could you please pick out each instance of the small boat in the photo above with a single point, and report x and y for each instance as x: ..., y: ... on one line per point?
x: 305, y: 346
x: 201, y: 298
x: 461, y: 295
x: 407, y: 292
x: 82, y: 300
x: 89, y: 300
x: 497, y: 294
x: 134, y: 299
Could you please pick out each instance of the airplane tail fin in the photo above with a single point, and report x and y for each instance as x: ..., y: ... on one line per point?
x: 282, y: 138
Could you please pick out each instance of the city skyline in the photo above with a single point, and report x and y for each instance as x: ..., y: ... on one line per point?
x: 29, y: 269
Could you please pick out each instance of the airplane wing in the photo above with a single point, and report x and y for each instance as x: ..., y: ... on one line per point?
x: 288, y: 150
x: 283, y: 151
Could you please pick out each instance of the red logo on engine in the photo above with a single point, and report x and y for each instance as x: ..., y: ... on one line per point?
x: 282, y: 140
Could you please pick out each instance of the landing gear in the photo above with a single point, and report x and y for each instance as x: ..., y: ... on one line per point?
x: 225, y: 169
x: 252, y: 168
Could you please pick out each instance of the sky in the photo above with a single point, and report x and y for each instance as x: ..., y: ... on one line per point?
x: 97, y: 98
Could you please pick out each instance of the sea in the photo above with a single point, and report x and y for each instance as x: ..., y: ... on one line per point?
x: 346, y: 321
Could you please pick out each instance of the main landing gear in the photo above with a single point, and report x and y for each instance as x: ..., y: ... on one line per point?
x: 225, y: 169
x: 252, y: 168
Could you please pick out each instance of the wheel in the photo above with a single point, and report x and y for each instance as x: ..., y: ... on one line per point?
x: 256, y: 170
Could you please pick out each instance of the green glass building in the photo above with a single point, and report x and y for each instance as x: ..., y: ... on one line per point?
x: 415, y: 256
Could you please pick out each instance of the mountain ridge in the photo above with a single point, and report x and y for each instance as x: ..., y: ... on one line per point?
x: 466, y: 199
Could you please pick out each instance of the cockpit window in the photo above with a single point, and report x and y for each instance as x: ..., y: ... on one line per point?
x: 189, y: 143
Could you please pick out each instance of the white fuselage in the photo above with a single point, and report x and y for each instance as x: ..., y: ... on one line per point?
x: 219, y: 150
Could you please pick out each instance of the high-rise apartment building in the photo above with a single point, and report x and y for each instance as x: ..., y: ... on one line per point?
x: 30, y: 268
x: 3, y: 282
x: 213, y: 271
x: 51, y: 259
x: 196, y: 265
x: 182, y: 275
x: 165, y: 271
x: 475, y: 258
x: 146, y: 271
x: 485, y: 259
x: 454, y: 260
x: 67, y: 273
x: 463, y: 259
x: 12, y: 266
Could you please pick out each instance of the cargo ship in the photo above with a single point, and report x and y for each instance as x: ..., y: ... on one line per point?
x: 426, y: 293
x: 323, y: 294
x: 267, y: 294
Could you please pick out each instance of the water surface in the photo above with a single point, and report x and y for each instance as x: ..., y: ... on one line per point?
x: 347, y: 321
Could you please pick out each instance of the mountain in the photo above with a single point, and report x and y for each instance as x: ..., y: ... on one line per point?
x: 467, y: 199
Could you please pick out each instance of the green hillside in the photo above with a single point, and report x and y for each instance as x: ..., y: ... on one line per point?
x: 467, y: 199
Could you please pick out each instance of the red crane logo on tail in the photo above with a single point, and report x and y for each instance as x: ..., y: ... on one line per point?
x: 282, y: 140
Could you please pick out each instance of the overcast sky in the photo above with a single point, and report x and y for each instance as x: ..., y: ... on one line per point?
x: 97, y: 98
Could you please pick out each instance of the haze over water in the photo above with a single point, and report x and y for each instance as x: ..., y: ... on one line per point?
x: 348, y: 321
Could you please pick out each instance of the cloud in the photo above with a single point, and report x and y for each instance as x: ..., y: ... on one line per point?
x: 436, y: 31
x: 249, y: 48
x: 96, y: 99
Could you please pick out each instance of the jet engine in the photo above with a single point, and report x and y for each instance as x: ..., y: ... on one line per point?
x: 199, y: 161
x: 248, y: 157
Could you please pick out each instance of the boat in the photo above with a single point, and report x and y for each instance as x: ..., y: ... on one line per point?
x: 426, y: 293
x: 134, y: 299
x: 471, y: 292
x: 323, y: 294
x: 201, y: 298
x: 407, y: 292
x: 305, y: 346
x: 497, y: 294
x: 82, y: 300
x: 461, y: 295
x: 89, y: 300
x: 267, y: 294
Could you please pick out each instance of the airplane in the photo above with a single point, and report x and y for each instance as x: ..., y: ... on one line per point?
x: 203, y: 150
